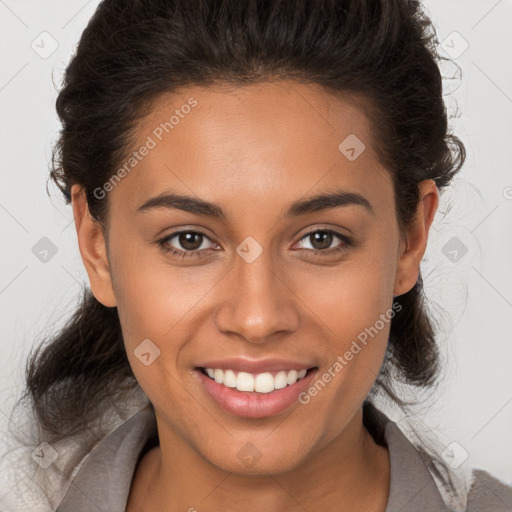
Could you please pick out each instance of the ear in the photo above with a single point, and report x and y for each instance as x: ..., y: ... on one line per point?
x: 413, y: 247
x: 93, y: 249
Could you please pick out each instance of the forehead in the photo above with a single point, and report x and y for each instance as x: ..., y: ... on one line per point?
x: 258, y: 144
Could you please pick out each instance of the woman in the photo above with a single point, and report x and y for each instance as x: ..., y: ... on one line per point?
x: 253, y: 185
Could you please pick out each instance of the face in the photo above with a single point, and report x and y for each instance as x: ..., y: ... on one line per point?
x: 267, y: 278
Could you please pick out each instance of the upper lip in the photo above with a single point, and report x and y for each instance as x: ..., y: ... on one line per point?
x: 256, y: 366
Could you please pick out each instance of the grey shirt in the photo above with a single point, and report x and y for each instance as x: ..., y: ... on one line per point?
x: 103, y: 482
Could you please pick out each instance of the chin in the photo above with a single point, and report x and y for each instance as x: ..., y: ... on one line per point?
x: 249, y: 460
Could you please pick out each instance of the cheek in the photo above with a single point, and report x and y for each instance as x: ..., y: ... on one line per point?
x: 350, y: 297
x: 152, y: 296
x: 161, y: 303
x: 354, y: 305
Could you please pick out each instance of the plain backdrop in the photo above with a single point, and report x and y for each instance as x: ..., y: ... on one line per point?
x: 467, y: 269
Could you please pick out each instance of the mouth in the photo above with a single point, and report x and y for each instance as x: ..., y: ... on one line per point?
x: 254, y: 395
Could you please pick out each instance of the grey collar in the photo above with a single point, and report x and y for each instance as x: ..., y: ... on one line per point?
x: 412, y: 487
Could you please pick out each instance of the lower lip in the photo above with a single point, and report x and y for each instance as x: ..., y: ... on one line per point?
x: 252, y: 404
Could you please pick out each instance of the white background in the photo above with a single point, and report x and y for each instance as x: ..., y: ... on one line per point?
x: 472, y: 295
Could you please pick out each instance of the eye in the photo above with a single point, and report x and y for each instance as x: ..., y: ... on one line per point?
x: 321, y: 241
x: 193, y: 244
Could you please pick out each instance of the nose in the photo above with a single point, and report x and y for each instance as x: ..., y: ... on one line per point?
x: 258, y: 303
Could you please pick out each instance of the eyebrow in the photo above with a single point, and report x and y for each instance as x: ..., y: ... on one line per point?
x: 321, y: 202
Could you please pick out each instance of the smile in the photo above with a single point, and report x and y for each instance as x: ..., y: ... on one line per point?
x: 254, y: 395
x: 265, y: 382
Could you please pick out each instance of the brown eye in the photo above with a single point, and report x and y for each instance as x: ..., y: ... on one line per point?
x: 321, y: 241
x: 190, y: 240
x: 185, y: 244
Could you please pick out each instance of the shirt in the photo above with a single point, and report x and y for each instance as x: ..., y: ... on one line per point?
x: 92, y: 471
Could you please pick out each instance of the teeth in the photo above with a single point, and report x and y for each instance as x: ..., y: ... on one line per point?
x: 264, y: 383
x: 281, y: 380
x: 261, y: 383
x: 229, y: 379
x: 292, y: 377
x: 245, y: 382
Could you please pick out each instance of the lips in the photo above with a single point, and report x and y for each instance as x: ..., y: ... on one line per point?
x: 255, y: 389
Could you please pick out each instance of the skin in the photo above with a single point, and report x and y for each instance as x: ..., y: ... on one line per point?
x: 253, y: 151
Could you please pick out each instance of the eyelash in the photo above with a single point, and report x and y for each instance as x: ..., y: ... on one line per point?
x: 200, y: 253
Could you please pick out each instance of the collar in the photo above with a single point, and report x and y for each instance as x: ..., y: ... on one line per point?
x: 103, y: 481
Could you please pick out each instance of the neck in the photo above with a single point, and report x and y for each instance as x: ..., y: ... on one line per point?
x: 351, y: 471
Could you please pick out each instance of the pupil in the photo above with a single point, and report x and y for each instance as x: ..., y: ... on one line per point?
x: 187, y: 241
x: 325, y: 243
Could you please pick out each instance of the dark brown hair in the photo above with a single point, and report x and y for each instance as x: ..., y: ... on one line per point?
x: 133, y: 51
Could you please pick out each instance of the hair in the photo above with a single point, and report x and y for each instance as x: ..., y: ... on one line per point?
x: 134, y: 51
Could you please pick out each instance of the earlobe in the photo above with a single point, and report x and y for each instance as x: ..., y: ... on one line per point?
x: 416, y: 233
x: 93, y: 250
